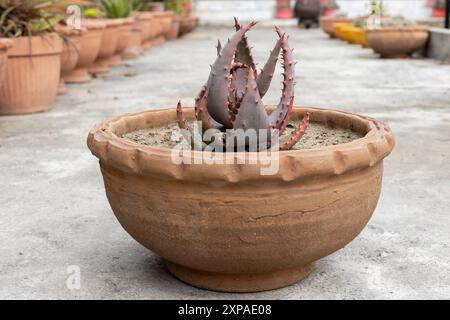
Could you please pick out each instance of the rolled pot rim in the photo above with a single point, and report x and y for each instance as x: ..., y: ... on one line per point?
x: 105, y: 143
x: 398, y: 29
x: 5, y: 43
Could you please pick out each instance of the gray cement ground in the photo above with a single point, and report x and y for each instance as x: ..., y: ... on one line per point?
x: 54, y: 213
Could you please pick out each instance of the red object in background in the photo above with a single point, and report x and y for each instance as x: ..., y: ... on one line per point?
x: 438, y: 13
x: 284, y: 10
x: 329, y: 12
x: 187, y: 7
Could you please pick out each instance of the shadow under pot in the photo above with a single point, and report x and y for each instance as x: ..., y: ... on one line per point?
x: 32, y: 74
x: 90, y: 42
x: 110, y: 37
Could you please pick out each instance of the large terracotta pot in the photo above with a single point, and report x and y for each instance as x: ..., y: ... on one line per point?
x: 32, y: 74
x: 133, y: 49
x: 70, y: 54
x: 5, y: 44
x: 123, y: 41
x: 397, y: 42
x: 327, y: 24
x: 89, y: 48
x: 110, y: 38
x: 174, y: 31
x: 226, y: 227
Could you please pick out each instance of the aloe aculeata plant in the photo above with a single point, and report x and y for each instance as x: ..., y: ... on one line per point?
x: 230, y: 101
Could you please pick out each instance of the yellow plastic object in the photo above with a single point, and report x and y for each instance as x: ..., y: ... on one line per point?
x: 359, y: 35
x: 344, y: 31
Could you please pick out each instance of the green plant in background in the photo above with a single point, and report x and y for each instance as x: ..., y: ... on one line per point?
x: 117, y: 8
x: 377, y: 7
x: 439, y: 4
x: 31, y: 17
x: 331, y: 5
x: 177, y: 6
x: 359, y: 23
x: 141, y: 5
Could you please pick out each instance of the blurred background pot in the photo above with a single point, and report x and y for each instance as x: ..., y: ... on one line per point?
x: 326, y: 24
x: 307, y: 12
x: 133, y: 49
x: 174, y: 30
x: 397, y: 42
x: 32, y: 74
x: 90, y: 43
x: 122, y: 43
x: 110, y: 38
x: 70, y: 54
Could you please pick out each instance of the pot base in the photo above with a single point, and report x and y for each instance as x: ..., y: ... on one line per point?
x: 99, y: 67
x: 147, y: 45
x: 62, y: 89
x: 394, y: 56
x: 239, y: 282
x: 115, y: 61
x: 78, y: 76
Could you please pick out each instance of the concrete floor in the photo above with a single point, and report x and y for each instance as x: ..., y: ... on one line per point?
x: 54, y: 213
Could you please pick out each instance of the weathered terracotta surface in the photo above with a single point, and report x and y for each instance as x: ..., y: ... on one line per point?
x: 110, y: 37
x: 90, y: 43
x: 32, y: 74
x: 133, y: 49
x: 70, y: 53
x: 228, y: 228
x: 397, y: 42
x: 5, y: 44
x: 122, y: 42
x: 326, y: 24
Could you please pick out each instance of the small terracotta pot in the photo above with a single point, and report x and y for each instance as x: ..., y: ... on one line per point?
x: 187, y: 24
x: 167, y: 17
x: 32, y: 74
x: 133, y: 49
x: 70, y: 54
x: 5, y: 44
x: 326, y: 23
x: 226, y: 227
x: 163, y: 21
x: 397, y: 42
x: 174, y: 31
x: 89, y: 48
x: 145, y: 21
x: 122, y: 42
x: 110, y: 38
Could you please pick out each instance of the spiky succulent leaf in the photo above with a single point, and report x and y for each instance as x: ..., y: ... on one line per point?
x: 219, y: 82
x: 265, y: 76
x: 279, y: 114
